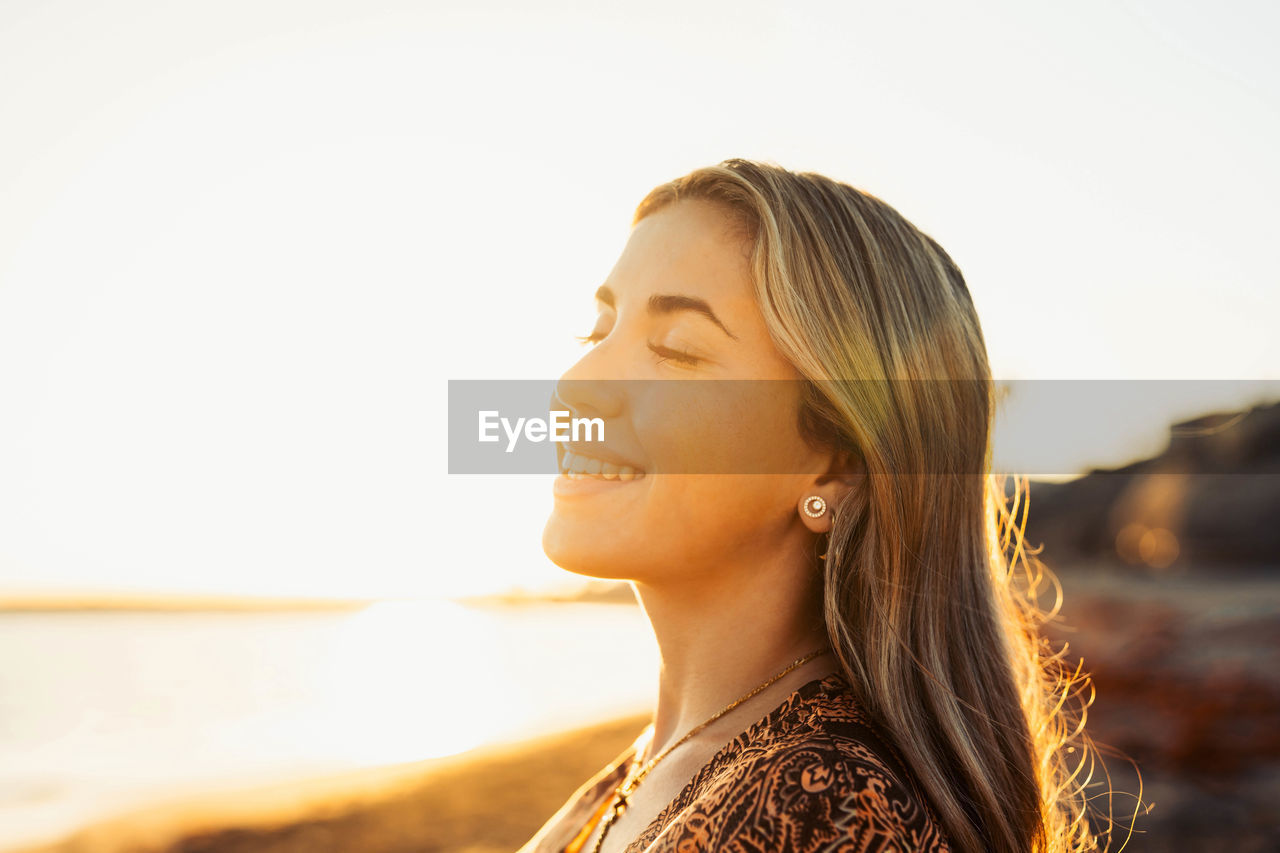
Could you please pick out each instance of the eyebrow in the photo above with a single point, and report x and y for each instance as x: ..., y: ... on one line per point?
x: 670, y: 303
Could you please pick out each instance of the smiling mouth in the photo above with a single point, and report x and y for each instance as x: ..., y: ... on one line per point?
x: 578, y: 466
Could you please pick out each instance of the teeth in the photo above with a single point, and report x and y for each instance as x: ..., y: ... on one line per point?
x: 578, y: 467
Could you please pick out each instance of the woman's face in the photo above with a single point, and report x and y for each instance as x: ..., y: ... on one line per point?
x: 679, y: 305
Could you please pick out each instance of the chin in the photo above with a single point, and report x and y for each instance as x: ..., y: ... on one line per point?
x: 581, y: 554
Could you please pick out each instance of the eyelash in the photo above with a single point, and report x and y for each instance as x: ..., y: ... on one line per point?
x: 663, y: 353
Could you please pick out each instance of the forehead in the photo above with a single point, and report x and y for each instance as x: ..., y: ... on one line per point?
x: 692, y: 248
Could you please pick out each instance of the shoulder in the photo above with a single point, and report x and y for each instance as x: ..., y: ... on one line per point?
x: 818, y: 776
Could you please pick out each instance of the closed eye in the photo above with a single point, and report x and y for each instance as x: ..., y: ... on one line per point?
x: 679, y: 356
x: 663, y: 353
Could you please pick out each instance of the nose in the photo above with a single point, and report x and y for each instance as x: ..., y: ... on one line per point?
x: 590, y: 389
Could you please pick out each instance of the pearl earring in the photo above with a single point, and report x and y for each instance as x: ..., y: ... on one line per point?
x: 814, y: 506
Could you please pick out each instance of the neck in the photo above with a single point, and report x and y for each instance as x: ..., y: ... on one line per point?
x: 720, y: 637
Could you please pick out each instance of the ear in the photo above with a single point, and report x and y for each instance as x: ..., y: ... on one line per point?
x: 845, y: 472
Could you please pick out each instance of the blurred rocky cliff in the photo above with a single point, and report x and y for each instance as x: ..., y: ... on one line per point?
x: 1212, y: 496
x: 1170, y: 569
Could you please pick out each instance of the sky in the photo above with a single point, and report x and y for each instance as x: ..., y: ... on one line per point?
x: 244, y: 245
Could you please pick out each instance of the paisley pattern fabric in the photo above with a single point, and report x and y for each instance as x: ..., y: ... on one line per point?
x: 813, y: 776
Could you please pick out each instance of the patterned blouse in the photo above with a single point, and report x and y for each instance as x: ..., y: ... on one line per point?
x: 813, y: 776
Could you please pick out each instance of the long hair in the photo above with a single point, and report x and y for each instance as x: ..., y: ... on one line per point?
x: 933, y: 624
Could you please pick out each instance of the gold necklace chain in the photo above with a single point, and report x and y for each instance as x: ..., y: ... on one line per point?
x: 618, y: 802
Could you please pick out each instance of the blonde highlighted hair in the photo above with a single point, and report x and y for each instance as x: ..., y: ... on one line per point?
x: 930, y: 596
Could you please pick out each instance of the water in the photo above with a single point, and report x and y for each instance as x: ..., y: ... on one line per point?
x: 103, y: 711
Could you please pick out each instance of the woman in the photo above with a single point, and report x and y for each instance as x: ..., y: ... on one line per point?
x: 848, y: 658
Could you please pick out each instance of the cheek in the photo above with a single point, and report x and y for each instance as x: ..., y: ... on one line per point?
x: 683, y: 525
x: 700, y: 519
x: 715, y: 427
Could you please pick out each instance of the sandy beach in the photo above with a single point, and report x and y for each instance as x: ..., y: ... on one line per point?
x: 1184, y: 662
x: 483, y: 801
